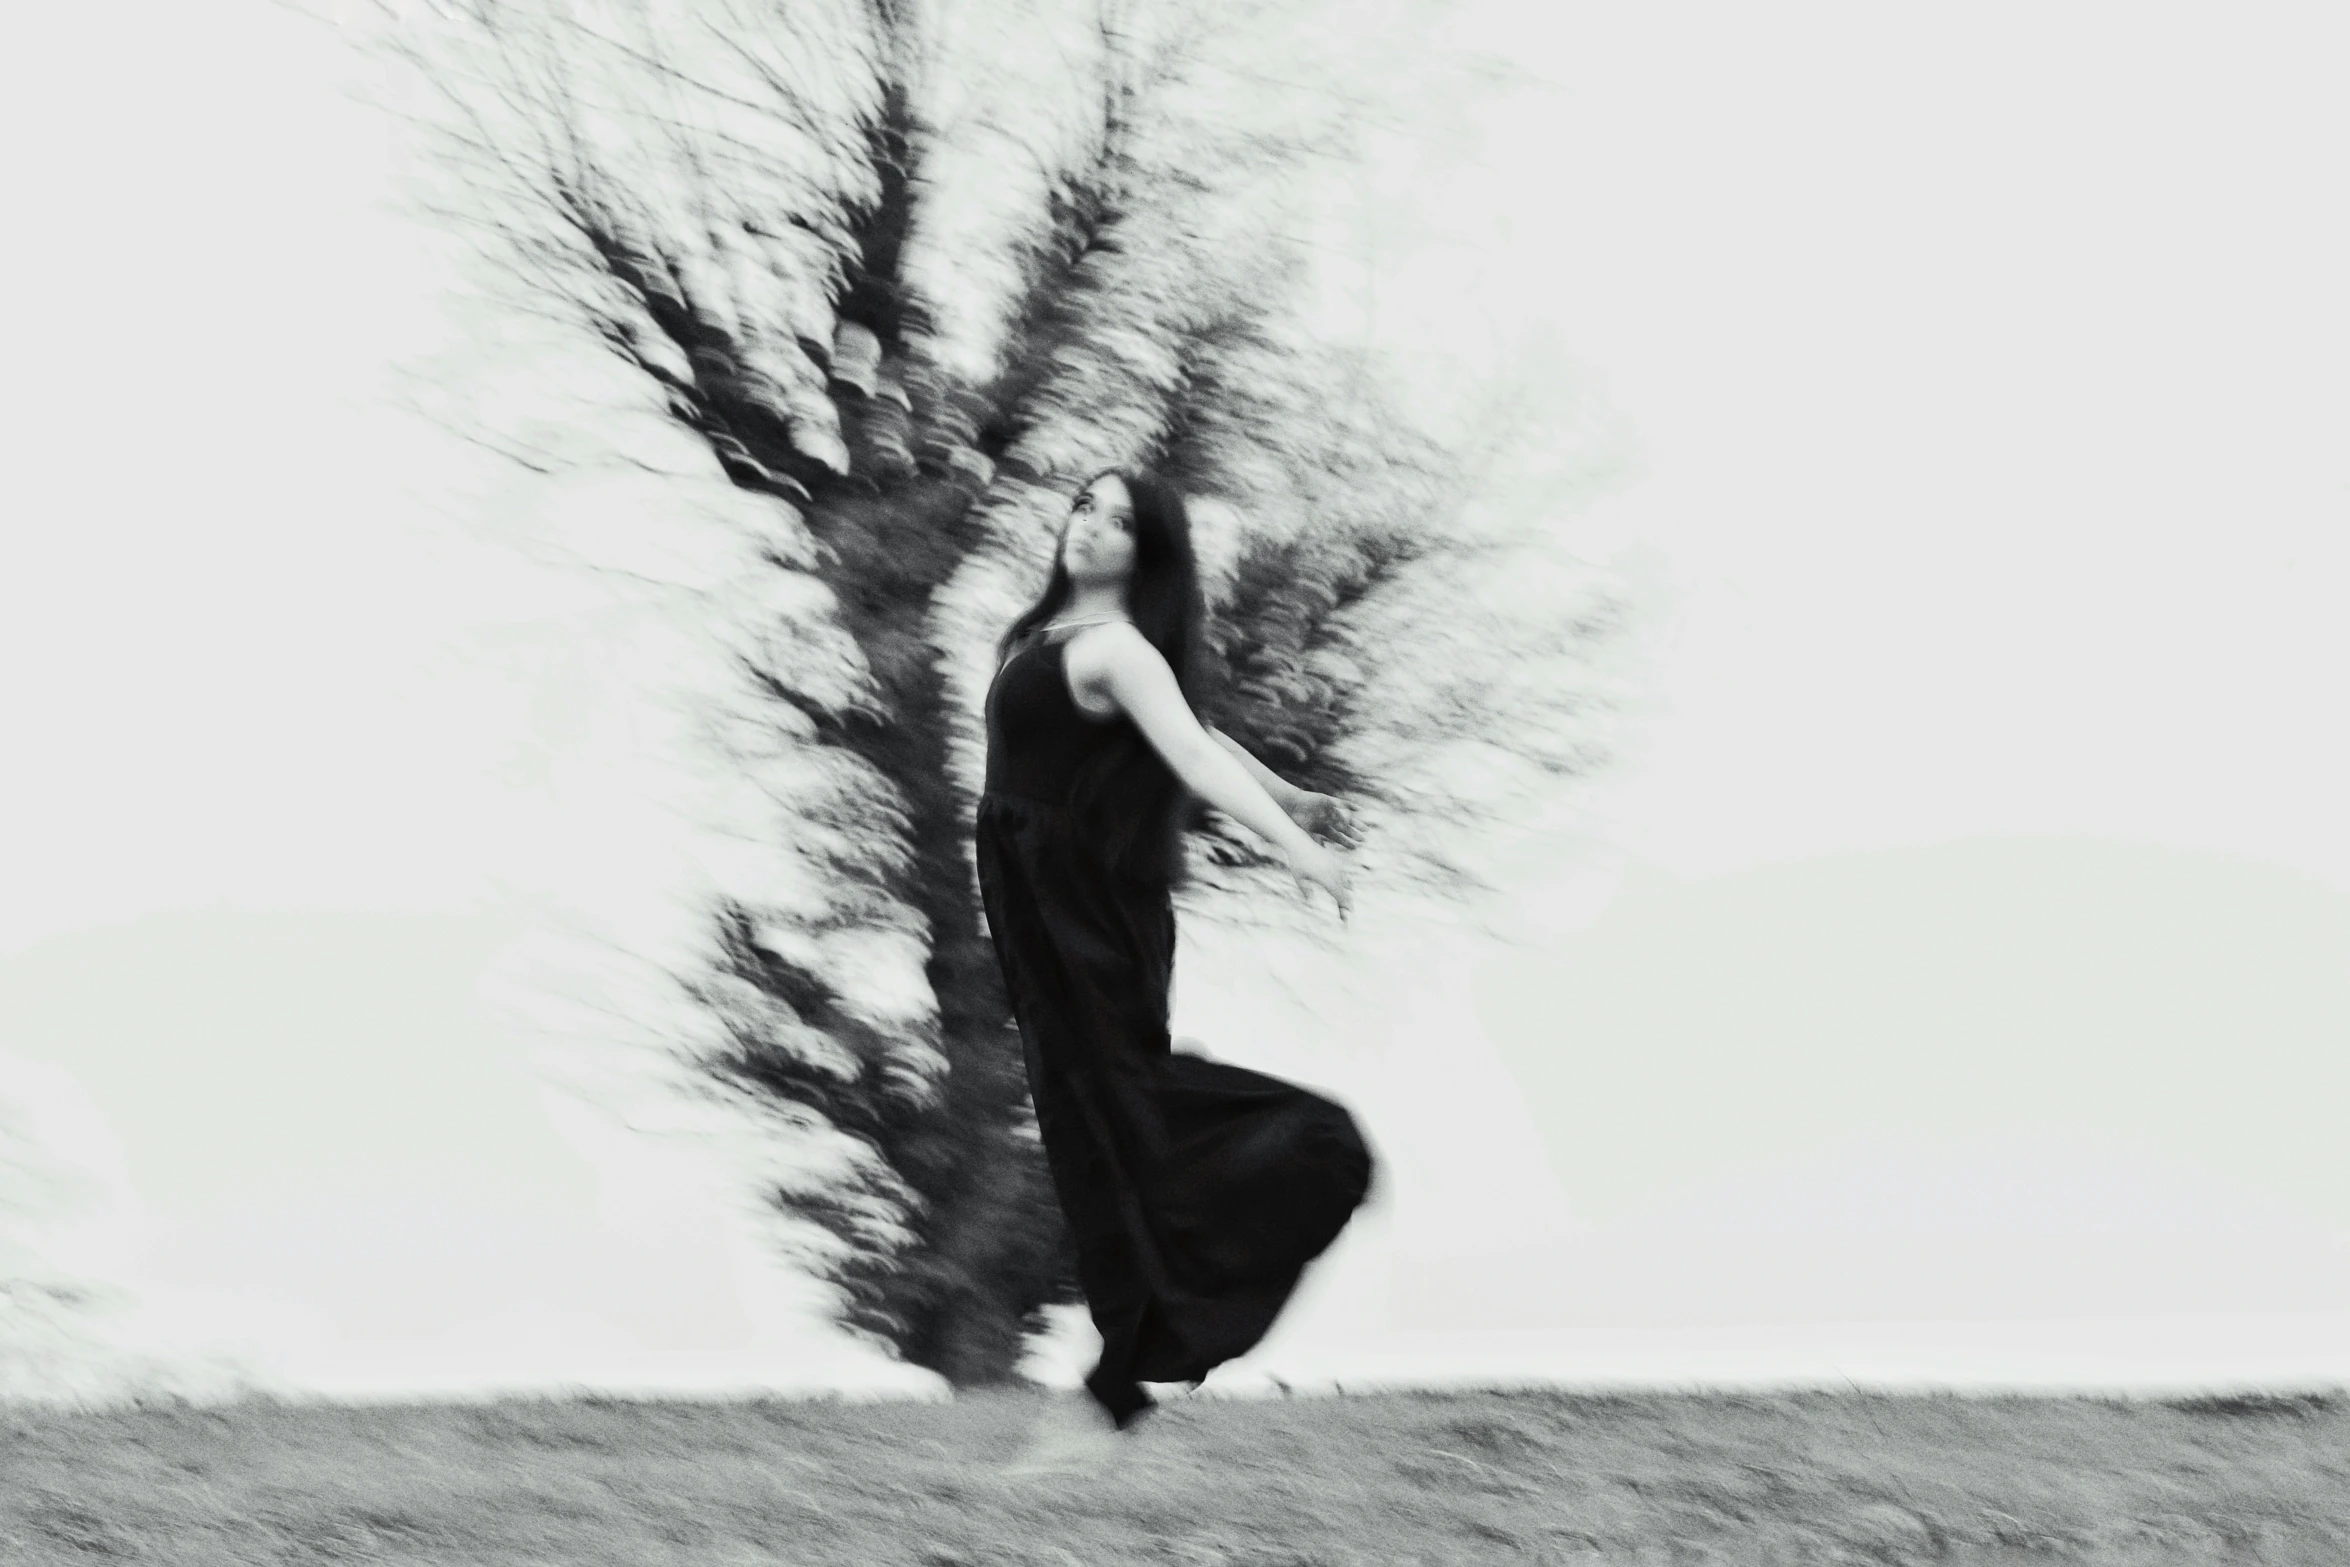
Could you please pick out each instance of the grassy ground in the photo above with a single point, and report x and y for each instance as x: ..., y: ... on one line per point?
x: 1379, y: 1478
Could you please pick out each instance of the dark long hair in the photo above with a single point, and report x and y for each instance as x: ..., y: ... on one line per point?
x: 1143, y: 834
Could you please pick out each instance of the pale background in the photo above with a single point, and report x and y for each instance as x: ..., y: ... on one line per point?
x: 1951, y: 989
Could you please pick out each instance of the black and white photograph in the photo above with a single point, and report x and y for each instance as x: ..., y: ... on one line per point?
x: 1220, y: 783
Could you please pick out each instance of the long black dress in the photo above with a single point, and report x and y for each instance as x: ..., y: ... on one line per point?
x: 1196, y: 1191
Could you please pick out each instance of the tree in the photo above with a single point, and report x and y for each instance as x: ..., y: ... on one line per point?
x: 904, y: 277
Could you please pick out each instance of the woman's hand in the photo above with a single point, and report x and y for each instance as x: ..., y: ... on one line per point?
x: 1315, y: 866
x: 1323, y: 815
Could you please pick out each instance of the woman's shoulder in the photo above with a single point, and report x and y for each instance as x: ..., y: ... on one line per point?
x: 1107, y: 647
x: 1109, y: 634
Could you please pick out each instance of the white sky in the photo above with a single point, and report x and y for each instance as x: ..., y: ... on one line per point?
x: 1984, y: 374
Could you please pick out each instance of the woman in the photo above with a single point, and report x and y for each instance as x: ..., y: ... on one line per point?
x: 1196, y: 1192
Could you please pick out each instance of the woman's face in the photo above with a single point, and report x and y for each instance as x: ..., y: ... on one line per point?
x: 1099, y: 544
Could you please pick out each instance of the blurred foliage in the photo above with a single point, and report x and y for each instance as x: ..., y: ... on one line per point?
x: 44, y: 1313
x: 907, y: 273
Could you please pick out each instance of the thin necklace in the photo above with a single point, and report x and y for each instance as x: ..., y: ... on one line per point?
x: 1097, y: 620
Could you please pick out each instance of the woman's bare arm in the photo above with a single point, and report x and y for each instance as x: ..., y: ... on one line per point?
x: 1284, y: 792
x: 1122, y: 662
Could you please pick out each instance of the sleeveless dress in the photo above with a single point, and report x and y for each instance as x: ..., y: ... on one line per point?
x: 1196, y: 1192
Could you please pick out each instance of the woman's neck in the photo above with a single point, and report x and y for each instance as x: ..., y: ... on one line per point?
x: 1085, y: 606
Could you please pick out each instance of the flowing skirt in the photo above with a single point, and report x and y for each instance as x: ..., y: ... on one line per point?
x: 1196, y: 1192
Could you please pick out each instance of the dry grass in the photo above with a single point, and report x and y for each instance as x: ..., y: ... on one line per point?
x: 1380, y: 1478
